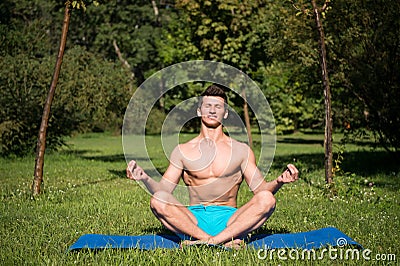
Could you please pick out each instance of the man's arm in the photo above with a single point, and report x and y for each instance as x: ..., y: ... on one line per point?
x: 255, y: 180
x: 167, y: 183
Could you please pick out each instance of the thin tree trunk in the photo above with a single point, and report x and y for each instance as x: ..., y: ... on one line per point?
x: 156, y: 12
x: 327, y: 95
x: 120, y: 57
x: 247, y: 118
x: 125, y: 63
x: 41, y: 143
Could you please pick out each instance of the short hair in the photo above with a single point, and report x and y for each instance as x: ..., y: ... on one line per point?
x: 214, y: 90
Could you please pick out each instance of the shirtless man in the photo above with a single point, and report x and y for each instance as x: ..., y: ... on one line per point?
x: 212, y: 166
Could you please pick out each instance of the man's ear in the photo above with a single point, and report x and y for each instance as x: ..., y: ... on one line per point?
x: 226, y: 114
x: 198, y: 112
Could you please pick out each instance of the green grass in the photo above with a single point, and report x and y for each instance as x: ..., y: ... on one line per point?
x: 86, y: 192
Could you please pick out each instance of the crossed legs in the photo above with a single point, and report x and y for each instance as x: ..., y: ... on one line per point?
x: 177, y: 218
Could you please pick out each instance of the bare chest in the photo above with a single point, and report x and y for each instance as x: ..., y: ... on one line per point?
x: 212, y: 161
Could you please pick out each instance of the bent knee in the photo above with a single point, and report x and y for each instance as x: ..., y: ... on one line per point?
x: 159, y: 201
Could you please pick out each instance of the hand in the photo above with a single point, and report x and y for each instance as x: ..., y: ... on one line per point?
x: 135, y: 172
x: 291, y: 174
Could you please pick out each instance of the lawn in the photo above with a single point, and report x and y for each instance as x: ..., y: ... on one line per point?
x: 86, y: 192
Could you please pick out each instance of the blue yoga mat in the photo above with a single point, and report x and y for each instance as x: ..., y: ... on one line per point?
x: 324, y: 237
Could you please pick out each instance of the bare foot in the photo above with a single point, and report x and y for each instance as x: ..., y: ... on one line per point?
x: 194, y: 242
x: 235, y: 244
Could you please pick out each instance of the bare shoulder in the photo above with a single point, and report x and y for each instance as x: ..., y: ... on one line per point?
x: 183, y: 149
x: 240, y: 148
x: 177, y: 156
x: 238, y: 144
x: 187, y: 146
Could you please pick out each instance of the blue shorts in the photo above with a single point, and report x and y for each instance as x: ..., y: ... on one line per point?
x: 211, y: 219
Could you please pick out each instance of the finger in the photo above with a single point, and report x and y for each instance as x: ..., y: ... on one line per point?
x: 131, y: 175
x: 288, y: 170
x: 132, y: 165
x: 287, y: 175
x: 129, y: 169
x: 294, y: 171
x: 290, y: 176
x: 128, y: 172
x: 137, y: 172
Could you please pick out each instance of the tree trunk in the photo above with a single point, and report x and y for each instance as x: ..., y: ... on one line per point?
x: 247, y: 118
x: 121, y: 58
x: 41, y: 143
x: 125, y: 64
x: 156, y: 12
x: 327, y: 96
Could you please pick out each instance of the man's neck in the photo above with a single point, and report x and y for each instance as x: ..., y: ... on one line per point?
x: 215, y: 134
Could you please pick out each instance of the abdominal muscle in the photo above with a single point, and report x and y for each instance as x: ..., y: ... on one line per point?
x: 213, y: 190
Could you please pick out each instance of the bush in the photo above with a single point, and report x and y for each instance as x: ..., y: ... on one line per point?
x: 91, y: 93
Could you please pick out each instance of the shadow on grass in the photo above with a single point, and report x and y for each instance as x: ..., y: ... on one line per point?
x: 270, y: 231
x: 95, y: 182
x: 79, y: 153
x: 106, y: 158
x: 301, y: 141
x: 369, y: 163
x: 157, y: 230
x: 103, y: 158
x: 311, y: 141
x: 256, y: 234
x: 112, y: 158
x: 312, y: 162
x: 378, y: 166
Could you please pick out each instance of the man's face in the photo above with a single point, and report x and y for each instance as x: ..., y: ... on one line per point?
x: 212, y: 110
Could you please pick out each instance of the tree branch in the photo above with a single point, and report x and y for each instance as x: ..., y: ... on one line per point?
x: 302, y: 9
x: 323, y: 8
x: 155, y: 8
x: 123, y: 61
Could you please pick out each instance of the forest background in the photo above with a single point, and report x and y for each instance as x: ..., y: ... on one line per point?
x: 115, y: 46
